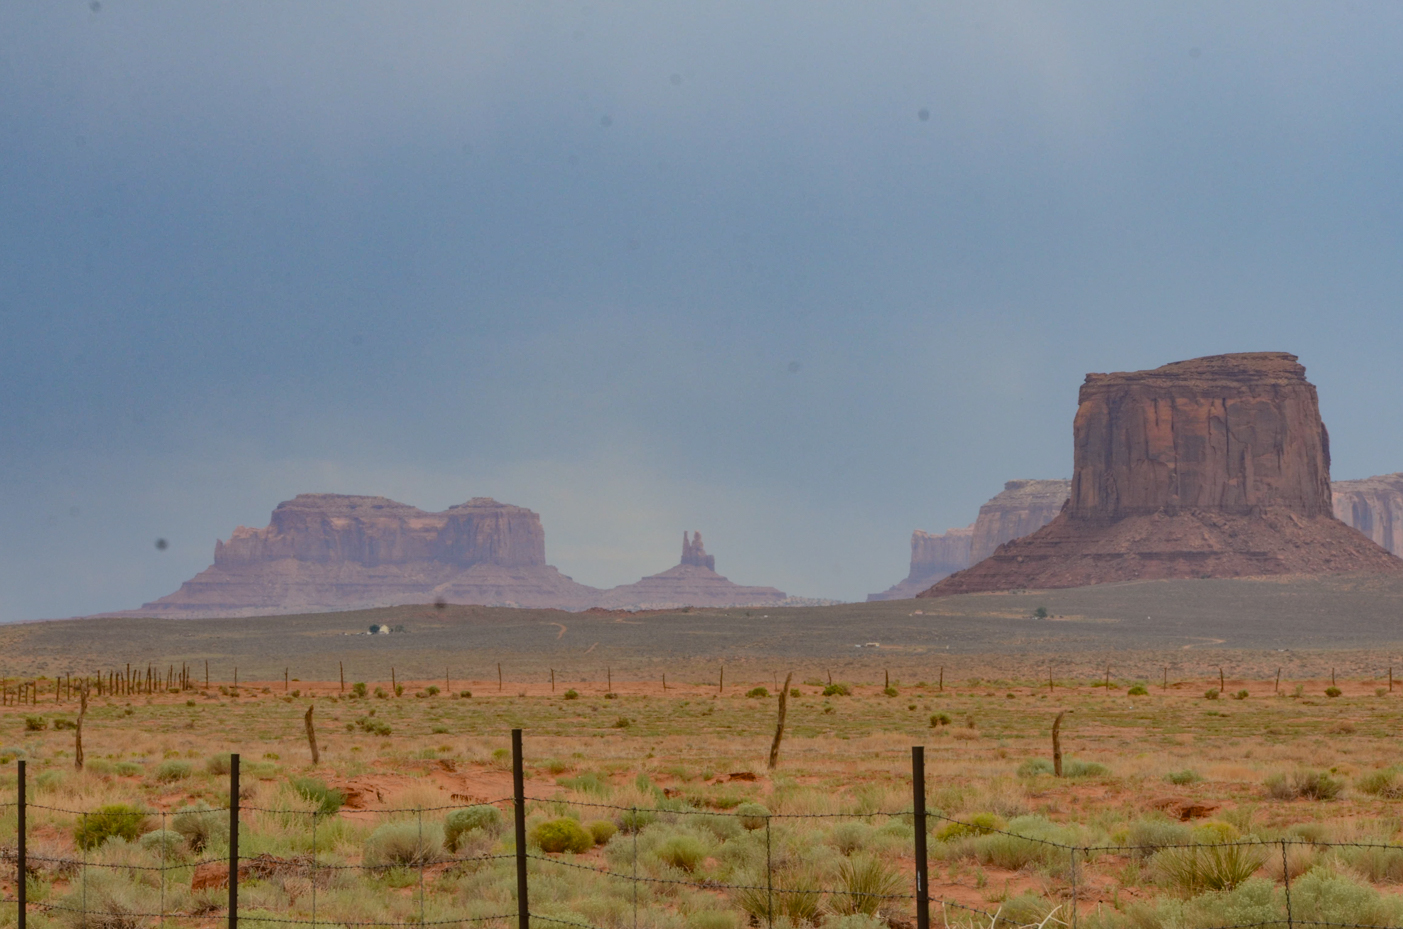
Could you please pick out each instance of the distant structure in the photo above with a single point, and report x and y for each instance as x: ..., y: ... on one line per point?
x: 1374, y: 506
x: 1215, y: 467
x: 694, y: 554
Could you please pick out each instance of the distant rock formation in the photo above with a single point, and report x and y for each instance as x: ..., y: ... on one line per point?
x: 1215, y: 467
x: 1373, y: 506
x: 693, y: 582
x: 932, y: 557
x: 334, y: 551
x: 1023, y: 508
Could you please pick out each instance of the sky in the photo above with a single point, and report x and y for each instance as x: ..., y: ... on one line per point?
x: 803, y: 276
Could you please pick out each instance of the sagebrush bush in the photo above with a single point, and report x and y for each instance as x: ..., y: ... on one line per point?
x: 757, y: 692
x: 1183, y: 778
x: 602, y: 830
x: 1303, y: 784
x: 173, y: 769
x: 166, y: 843
x: 850, y: 837
x: 562, y: 835
x: 974, y: 824
x: 837, y: 690
x: 115, y: 819
x: 404, y: 843
x: 220, y: 764
x: 201, y: 826
x: 1148, y: 835
x: 752, y: 815
x: 459, y: 824
x: 1382, y: 783
x: 103, y: 899
x: 685, y: 852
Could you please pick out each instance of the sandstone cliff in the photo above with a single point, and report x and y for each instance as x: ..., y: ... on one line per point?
x: 1024, y: 507
x: 693, y: 582
x: 334, y: 551
x: 1216, y: 467
x: 932, y: 557
x: 1373, y: 506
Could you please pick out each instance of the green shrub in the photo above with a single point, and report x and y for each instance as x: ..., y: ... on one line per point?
x: 562, y: 835
x: 1146, y: 836
x: 457, y: 824
x: 1322, y: 896
x: 837, y: 690
x: 218, y: 764
x: 1137, y: 691
x: 866, y: 881
x: 1034, y: 766
x: 433, y: 691
x: 572, y: 694
x: 167, y: 843
x: 373, y: 726
x: 891, y: 692
x: 850, y: 837
x: 359, y: 690
x: 1309, y: 785
x: 128, y: 769
x: 1241, y: 695
x: 406, y: 843
x: 975, y: 824
x: 327, y: 799
x: 35, y: 724
x: 623, y: 722
x: 685, y: 852
x: 1184, y: 777
x: 939, y: 719
x: 61, y: 724
x: 50, y: 779
x: 465, y: 694
x: 1382, y: 783
x: 757, y: 692
x: 1083, y: 769
x: 99, y: 898
x: 1024, y: 844
x: 752, y: 815
x: 602, y: 830
x: 586, y: 782
x: 1211, y: 694
x: 115, y: 819
x: 201, y: 826
x: 1200, y: 868
x: 636, y: 820
x: 173, y: 769
x: 1333, y: 692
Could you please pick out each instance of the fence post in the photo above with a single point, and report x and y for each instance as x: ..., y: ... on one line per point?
x: 918, y: 795
x: 769, y: 879
x: 1286, y: 878
x: 234, y: 841
x: 1074, y: 887
x: 523, y: 909
x: 21, y: 856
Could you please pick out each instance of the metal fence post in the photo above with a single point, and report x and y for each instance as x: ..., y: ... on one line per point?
x: 918, y: 795
x: 523, y: 909
x: 21, y: 856
x: 234, y: 841
x: 1286, y: 878
x: 1074, y: 887
x: 769, y: 879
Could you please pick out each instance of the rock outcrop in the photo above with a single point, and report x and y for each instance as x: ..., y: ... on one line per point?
x: 932, y: 557
x: 1023, y: 508
x: 1216, y: 467
x: 1373, y: 506
x: 693, y: 582
x: 333, y: 551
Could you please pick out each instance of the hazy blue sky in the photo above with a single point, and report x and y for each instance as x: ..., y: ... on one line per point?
x: 802, y: 276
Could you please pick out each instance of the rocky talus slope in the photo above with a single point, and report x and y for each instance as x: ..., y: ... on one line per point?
x: 1215, y: 467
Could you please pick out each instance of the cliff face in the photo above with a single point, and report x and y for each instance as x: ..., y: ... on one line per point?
x: 693, y: 582
x: 932, y: 557
x: 1024, y: 507
x: 1217, y: 467
x: 1373, y: 506
x: 335, y: 551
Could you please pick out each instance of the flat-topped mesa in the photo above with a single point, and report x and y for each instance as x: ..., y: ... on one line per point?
x: 1374, y: 506
x: 1216, y: 467
x: 932, y: 557
x: 1228, y: 433
x: 694, y: 554
x: 339, y: 551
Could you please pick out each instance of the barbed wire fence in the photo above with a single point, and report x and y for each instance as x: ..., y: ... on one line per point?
x: 768, y: 896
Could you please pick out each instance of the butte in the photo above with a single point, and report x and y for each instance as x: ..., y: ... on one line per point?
x: 1215, y: 467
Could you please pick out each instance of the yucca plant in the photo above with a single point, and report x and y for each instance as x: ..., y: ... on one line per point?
x: 1199, y: 868
x: 866, y: 881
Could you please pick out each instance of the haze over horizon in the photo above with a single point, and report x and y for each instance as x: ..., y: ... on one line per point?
x: 803, y: 278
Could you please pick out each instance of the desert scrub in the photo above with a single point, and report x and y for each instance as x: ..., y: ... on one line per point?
x: 586, y: 782
x: 848, y: 838
x: 219, y: 765
x: 1030, y: 840
x: 602, y: 830
x: 1303, y: 784
x: 973, y: 825
x: 405, y: 843
x: 1146, y: 836
x: 201, y: 826
x: 327, y: 799
x: 866, y: 881
x: 1183, y: 778
x: 173, y: 769
x: 562, y: 835
x: 756, y: 692
x: 1070, y: 768
x: 459, y: 825
x: 837, y: 690
x: 685, y: 852
x: 1198, y: 868
x: 1382, y: 783
x: 121, y: 820
x: 1138, y: 690
x: 164, y: 843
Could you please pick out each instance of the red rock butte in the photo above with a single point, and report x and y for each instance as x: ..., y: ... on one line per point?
x: 1215, y: 467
